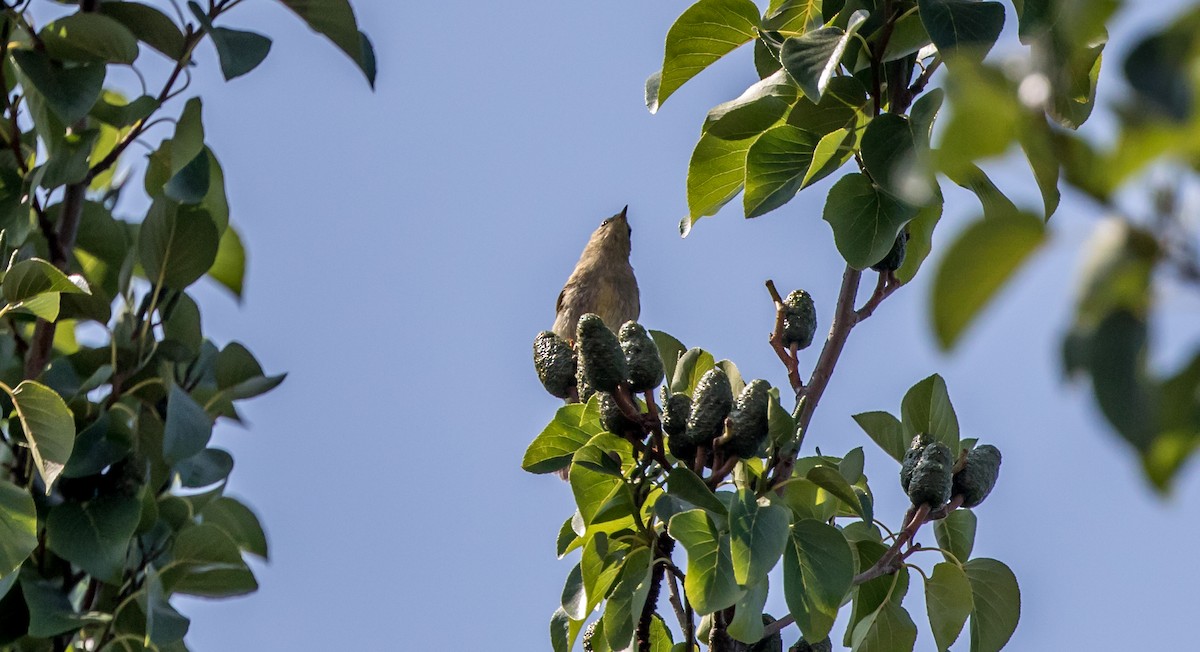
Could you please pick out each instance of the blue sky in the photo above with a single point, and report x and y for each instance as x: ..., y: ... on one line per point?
x: 406, y: 246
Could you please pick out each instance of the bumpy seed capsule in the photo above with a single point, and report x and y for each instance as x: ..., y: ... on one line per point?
x: 676, y: 409
x: 554, y: 360
x: 585, y: 389
x: 711, y: 403
x: 978, y: 475
x: 824, y: 645
x: 641, y: 356
x: 600, y: 354
x: 588, y: 635
x: 772, y: 643
x: 681, y: 448
x: 749, y: 420
x: 931, y: 479
x: 611, y: 416
x: 911, y: 457
x: 799, y: 320
x: 894, y: 258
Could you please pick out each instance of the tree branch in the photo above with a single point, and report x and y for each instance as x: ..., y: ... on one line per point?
x: 788, y: 358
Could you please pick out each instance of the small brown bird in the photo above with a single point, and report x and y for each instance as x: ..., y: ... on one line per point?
x: 603, y: 281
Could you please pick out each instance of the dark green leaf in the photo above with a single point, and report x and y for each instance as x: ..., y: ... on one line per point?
x: 890, y: 154
x: 962, y: 27
x: 599, y: 564
x: 981, y: 96
x: 335, y: 20
x: 669, y: 349
x: 552, y: 449
x: 813, y: 57
x: 710, y: 584
x: 758, y: 535
x: 18, y: 527
x: 926, y: 408
x: 997, y: 600
x: 976, y: 265
x: 207, y: 467
x: 176, y: 246
x: 887, y: 629
x: 32, y: 277
x: 628, y: 597
x: 239, y: 51
x: 94, y: 535
x: 956, y: 534
x: 99, y: 445
x: 865, y: 220
x: 49, y: 428
x: 574, y: 596
x: 705, y: 32
x: 239, y: 523
x: 563, y: 631
x: 948, y: 602
x: 818, y: 570
x: 50, y: 611
x: 885, y: 430
x: 995, y: 204
x: 89, y: 38
x: 920, y: 236
x: 69, y: 92
x: 716, y: 173
x: 1116, y: 356
x: 148, y: 24
x: 1037, y: 141
x: 190, y: 184
x: 188, y: 428
x: 206, y: 562
x: 747, y: 623
x: 844, y: 105
x: 684, y: 484
x: 691, y: 367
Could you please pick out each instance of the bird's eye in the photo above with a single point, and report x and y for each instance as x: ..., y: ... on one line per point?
x: 605, y: 222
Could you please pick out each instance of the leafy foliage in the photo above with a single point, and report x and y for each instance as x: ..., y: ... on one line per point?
x: 112, y: 499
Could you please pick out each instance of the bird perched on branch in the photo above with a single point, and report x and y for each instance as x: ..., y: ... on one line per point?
x: 603, y: 281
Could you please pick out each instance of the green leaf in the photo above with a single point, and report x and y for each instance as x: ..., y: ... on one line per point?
x: 813, y: 57
x: 239, y: 523
x: 710, y: 584
x: 628, y: 597
x: 188, y: 141
x: 887, y: 629
x: 207, y: 467
x: 596, y: 479
x: 176, y: 246
x: 32, y: 277
x: 599, y: 565
x: 94, y: 535
x: 563, y: 631
x: 758, y: 535
x: 873, y: 595
x: 830, y: 154
x: 149, y: 25
x: 1037, y: 141
x: 574, y: 595
x: 553, y: 448
x: 684, y: 484
x: 995, y: 204
x: 831, y: 480
x: 188, y: 427
x: 89, y: 38
x: 844, y: 105
x: 669, y: 349
x: 229, y: 267
x: 975, y: 266
x: 979, y: 95
x: 865, y: 220
x: 705, y: 32
x: 164, y: 625
x: 335, y: 20
x: 997, y: 600
x: 69, y: 92
x: 920, y: 240
x: 776, y: 166
x: 890, y: 154
x: 762, y: 106
x: 206, y: 562
x: 818, y: 571
x: 18, y: 527
x: 50, y: 610
x: 691, y: 367
x: 190, y: 184
x: 885, y: 430
x: 747, y: 623
x: 716, y: 174
x: 49, y: 428
x: 239, y: 51
x: 1116, y: 356
x: 948, y: 601
x: 926, y: 408
x: 962, y: 28
x: 956, y: 534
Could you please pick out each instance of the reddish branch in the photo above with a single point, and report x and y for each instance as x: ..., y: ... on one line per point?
x: 787, y: 357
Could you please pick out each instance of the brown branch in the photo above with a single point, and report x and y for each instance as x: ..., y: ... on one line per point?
x: 664, y: 546
x: 885, y: 35
x: 788, y: 358
x: 919, y: 85
x: 884, y: 288
x: 777, y: 626
x: 64, y: 238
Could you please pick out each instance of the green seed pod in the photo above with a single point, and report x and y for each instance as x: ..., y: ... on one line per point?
x: 824, y: 645
x: 749, y: 417
x: 586, y: 391
x: 612, y: 418
x: 554, y: 360
x: 676, y: 409
x: 931, y: 479
x: 711, y: 403
x: 911, y: 457
x: 772, y: 643
x: 799, y: 320
x: 641, y: 356
x: 894, y: 258
x: 600, y: 354
x: 682, y: 449
x: 978, y: 475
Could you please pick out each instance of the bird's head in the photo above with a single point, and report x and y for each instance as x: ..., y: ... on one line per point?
x: 613, y: 235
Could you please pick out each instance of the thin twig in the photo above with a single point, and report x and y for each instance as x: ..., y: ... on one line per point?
x: 884, y: 288
x: 788, y: 358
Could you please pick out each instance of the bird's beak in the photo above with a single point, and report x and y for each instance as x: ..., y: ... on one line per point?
x: 623, y: 211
